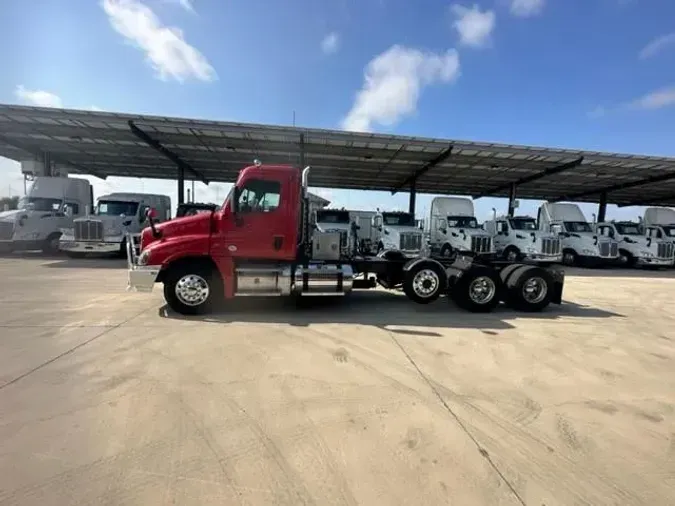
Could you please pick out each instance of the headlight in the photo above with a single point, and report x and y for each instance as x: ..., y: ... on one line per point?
x: 589, y: 252
x: 70, y: 232
x: 648, y: 254
x: 143, y: 258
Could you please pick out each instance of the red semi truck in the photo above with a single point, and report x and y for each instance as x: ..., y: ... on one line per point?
x: 261, y: 242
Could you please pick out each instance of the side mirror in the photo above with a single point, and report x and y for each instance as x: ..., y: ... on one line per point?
x: 234, y: 201
x: 443, y: 225
x: 377, y: 222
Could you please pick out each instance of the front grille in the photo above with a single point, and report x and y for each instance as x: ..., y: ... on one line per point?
x: 608, y: 249
x: 6, y: 230
x: 89, y: 230
x: 481, y: 244
x: 665, y: 250
x: 550, y: 246
x: 411, y: 242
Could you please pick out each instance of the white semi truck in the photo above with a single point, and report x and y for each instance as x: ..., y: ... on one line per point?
x: 115, y: 216
x: 636, y: 250
x: 50, y: 205
x: 397, y: 231
x: 518, y: 238
x: 337, y: 221
x: 453, y: 228
x: 659, y: 223
x: 580, y: 242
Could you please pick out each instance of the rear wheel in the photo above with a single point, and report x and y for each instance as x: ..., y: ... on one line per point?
x: 424, y: 282
x: 477, y: 290
x: 529, y: 288
x: 192, y: 288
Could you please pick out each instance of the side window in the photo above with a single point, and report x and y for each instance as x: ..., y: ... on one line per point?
x: 606, y: 231
x: 74, y: 207
x: 502, y: 228
x: 259, y: 196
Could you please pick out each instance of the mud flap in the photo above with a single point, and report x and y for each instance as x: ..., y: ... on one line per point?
x: 558, y: 276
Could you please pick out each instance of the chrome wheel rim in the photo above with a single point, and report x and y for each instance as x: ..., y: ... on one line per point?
x: 482, y: 290
x: 192, y: 290
x: 535, y: 290
x: 425, y: 283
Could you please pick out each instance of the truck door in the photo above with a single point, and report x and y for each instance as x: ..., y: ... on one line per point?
x: 264, y: 227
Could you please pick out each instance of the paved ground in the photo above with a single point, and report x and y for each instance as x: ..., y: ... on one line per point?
x: 106, y: 399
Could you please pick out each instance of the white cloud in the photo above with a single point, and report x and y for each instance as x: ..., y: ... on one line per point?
x: 474, y: 26
x: 657, y: 99
x: 526, y: 8
x: 165, y: 48
x: 657, y: 45
x: 330, y: 43
x: 185, y: 4
x: 393, y: 81
x: 39, y: 98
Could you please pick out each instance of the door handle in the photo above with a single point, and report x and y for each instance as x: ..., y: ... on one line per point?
x: 278, y: 242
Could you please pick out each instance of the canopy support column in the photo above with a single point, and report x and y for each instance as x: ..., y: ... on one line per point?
x: 602, y: 207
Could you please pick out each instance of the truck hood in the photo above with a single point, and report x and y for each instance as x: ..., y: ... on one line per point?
x: 10, y: 215
x: 333, y: 227
x: 470, y: 232
x: 198, y: 224
x: 18, y: 213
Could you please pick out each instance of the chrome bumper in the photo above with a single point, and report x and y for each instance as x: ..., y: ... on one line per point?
x: 658, y: 262
x: 89, y: 246
x: 140, y: 278
x: 539, y: 257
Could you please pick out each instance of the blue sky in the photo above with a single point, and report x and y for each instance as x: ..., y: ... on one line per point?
x: 588, y: 74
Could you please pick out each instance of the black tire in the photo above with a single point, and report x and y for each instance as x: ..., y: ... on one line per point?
x: 200, y: 275
x: 446, y: 251
x: 522, y: 286
x: 122, y: 253
x: 50, y: 246
x: 625, y: 259
x: 477, y: 290
x: 424, y: 282
x: 570, y: 257
x: 505, y: 275
x: 512, y: 254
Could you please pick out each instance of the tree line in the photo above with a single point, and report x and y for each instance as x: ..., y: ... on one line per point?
x: 10, y: 202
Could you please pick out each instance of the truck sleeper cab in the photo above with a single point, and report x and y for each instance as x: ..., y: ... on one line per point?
x: 518, y: 238
x: 453, y: 228
x: 581, y: 245
x: 50, y: 205
x: 261, y: 243
x: 116, y: 215
x: 636, y: 250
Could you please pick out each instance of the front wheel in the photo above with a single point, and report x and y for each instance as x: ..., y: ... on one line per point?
x: 424, y: 282
x: 477, y: 290
x: 511, y: 254
x: 51, y: 244
x: 192, y: 289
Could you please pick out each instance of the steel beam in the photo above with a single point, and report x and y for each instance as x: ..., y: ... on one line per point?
x: 512, y: 199
x: 413, y: 198
x: 602, y: 207
x: 649, y: 201
x: 617, y: 187
x: 182, y: 166
x: 38, y: 154
x: 440, y: 158
x: 534, y: 177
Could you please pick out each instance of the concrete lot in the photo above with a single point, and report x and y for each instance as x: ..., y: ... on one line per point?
x: 107, y: 399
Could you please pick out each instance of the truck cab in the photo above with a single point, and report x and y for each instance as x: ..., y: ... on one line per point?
x: 636, y: 249
x: 518, y: 238
x: 397, y: 231
x: 659, y: 224
x: 581, y: 244
x: 453, y: 228
x: 115, y: 216
x: 50, y: 205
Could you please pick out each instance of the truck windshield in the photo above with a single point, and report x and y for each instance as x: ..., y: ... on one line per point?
x: 523, y: 224
x: 627, y: 229
x: 577, y: 226
x: 462, y: 222
x: 39, y: 204
x: 332, y: 217
x: 398, y: 219
x: 116, y: 208
x: 669, y: 230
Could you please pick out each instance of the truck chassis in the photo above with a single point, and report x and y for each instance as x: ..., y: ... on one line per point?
x: 197, y: 285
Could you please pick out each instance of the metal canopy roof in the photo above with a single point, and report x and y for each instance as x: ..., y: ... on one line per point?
x: 110, y: 144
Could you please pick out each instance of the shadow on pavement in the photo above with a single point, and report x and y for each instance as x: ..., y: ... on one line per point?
x: 88, y: 263
x: 379, y: 309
